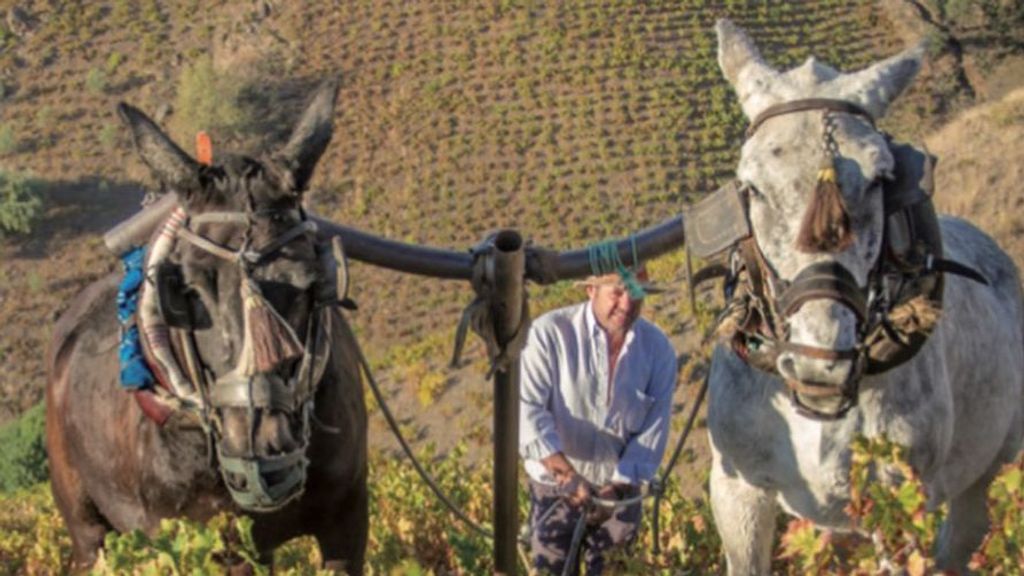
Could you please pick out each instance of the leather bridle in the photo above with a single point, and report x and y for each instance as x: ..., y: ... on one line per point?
x: 767, y: 302
x: 262, y: 391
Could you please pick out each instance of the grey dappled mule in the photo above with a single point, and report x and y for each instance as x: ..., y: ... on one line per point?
x: 817, y: 179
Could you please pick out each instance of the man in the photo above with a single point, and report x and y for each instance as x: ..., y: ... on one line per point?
x: 597, y: 384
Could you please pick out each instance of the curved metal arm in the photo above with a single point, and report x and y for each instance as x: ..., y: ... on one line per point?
x: 400, y: 256
x: 542, y: 265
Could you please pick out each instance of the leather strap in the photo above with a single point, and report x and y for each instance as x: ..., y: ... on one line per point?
x: 824, y: 281
x: 808, y: 104
x: 952, y: 267
x: 259, y: 392
x: 304, y: 227
x: 816, y: 352
x: 813, y: 390
x: 751, y: 255
x: 252, y: 256
x: 210, y: 246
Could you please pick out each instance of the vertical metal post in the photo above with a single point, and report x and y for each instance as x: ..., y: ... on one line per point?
x: 508, y: 279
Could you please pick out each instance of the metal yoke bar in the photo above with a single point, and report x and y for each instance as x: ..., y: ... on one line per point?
x: 542, y: 266
x: 366, y: 247
x: 650, y: 242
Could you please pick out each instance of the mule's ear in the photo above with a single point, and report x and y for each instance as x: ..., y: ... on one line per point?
x: 743, y: 67
x: 310, y: 137
x: 877, y: 86
x: 169, y: 163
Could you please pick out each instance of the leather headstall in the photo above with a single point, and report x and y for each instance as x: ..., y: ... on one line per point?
x: 896, y: 311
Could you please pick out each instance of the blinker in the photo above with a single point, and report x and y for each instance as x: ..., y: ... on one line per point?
x: 717, y: 222
x: 180, y: 306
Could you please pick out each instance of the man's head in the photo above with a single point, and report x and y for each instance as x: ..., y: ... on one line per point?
x: 614, y: 307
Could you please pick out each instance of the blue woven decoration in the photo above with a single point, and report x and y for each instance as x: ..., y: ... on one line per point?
x: 604, y: 259
x: 135, y: 372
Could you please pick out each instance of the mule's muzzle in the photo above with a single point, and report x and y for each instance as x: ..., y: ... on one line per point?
x: 265, y: 483
x: 262, y: 440
x: 822, y: 388
x: 823, y: 380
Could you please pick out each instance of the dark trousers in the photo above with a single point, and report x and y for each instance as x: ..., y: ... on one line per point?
x: 552, y: 539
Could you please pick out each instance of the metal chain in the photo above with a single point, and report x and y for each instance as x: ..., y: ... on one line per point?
x: 828, y: 137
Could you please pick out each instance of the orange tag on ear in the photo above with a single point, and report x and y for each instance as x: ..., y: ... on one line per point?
x: 204, y: 148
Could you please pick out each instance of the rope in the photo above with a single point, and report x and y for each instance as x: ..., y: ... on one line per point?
x: 604, y: 259
x: 408, y: 451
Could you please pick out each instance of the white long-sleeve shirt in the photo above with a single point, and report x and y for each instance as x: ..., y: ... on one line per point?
x: 609, y: 431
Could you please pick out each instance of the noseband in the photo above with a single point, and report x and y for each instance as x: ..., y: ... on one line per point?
x: 907, y: 276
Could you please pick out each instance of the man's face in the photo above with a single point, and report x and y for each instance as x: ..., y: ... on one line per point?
x: 613, y: 309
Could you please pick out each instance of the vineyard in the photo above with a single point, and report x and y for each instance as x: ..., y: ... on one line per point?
x: 411, y: 533
x: 570, y: 121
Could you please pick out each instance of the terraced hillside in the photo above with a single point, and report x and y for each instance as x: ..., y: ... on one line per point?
x: 571, y: 121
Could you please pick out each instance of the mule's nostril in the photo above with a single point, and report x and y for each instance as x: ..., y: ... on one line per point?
x: 787, y: 366
x: 237, y: 481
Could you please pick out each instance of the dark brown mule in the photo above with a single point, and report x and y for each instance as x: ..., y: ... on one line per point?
x: 115, y: 469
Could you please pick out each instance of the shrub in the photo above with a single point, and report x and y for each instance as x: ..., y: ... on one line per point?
x: 212, y: 100
x: 897, y: 532
x: 23, y: 460
x: 46, y: 123
x: 32, y: 535
x: 114, y: 62
x: 109, y: 136
x: 20, y: 202
x: 1002, y: 551
x: 8, y: 141
x: 96, y: 81
x: 181, y: 547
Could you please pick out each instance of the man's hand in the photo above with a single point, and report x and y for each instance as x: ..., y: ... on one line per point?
x: 613, y: 491
x: 576, y: 490
x: 610, y: 491
x: 574, y: 487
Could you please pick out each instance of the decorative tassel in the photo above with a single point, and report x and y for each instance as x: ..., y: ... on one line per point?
x: 269, y: 341
x: 826, y: 224
x: 919, y: 314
